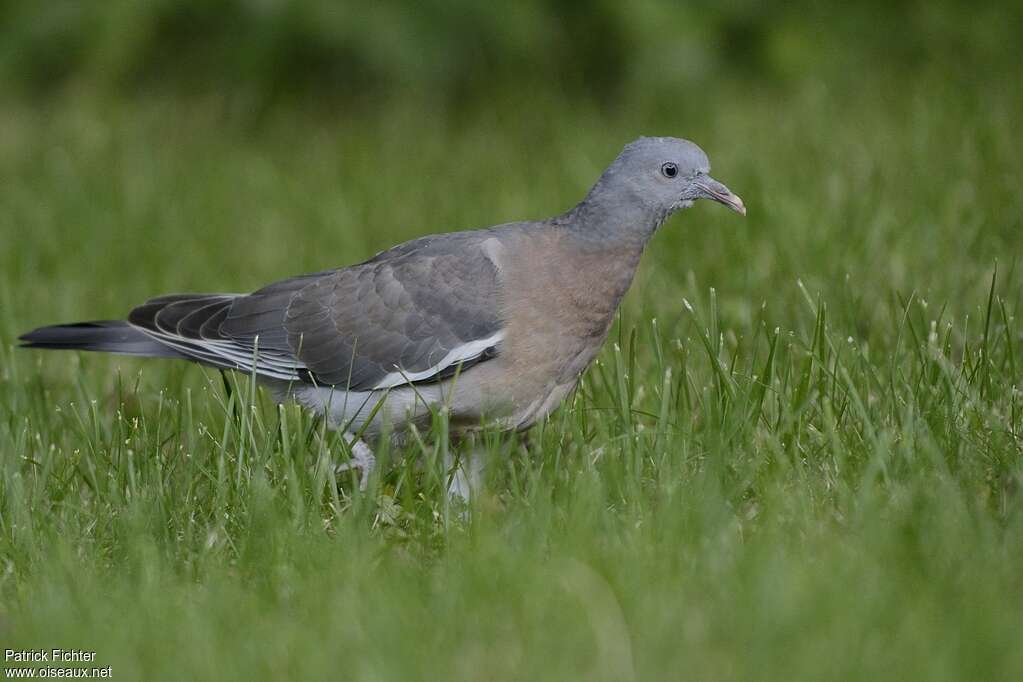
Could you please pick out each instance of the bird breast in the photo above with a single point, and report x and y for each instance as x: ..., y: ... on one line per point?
x: 559, y: 300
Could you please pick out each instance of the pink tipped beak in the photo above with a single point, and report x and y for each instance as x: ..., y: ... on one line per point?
x: 716, y: 191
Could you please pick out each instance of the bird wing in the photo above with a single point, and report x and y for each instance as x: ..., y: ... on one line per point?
x: 415, y: 313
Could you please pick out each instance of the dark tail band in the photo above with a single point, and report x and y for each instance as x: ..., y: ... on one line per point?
x: 104, y: 336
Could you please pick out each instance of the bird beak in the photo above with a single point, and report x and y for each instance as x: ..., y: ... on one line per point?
x: 709, y: 188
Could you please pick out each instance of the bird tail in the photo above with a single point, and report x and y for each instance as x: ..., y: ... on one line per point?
x: 104, y: 336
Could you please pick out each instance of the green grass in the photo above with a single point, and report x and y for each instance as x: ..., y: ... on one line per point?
x: 797, y: 458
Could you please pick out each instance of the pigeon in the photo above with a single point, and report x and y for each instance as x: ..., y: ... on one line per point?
x: 496, y: 324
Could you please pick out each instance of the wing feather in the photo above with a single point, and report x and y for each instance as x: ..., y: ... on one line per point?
x: 415, y: 313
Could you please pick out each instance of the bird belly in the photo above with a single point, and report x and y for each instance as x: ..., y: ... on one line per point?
x: 539, y: 408
x: 513, y: 391
x: 377, y: 412
x: 362, y: 411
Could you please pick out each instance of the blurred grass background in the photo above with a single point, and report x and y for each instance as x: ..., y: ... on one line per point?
x: 852, y: 516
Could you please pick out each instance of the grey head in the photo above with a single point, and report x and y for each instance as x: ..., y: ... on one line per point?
x: 652, y: 178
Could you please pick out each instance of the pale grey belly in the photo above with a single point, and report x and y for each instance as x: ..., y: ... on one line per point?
x: 376, y: 412
x: 539, y: 408
x: 490, y: 392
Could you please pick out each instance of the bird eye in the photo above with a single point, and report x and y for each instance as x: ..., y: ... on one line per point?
x: 669, y: 170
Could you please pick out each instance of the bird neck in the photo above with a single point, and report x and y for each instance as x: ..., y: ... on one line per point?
x: 616, y: 217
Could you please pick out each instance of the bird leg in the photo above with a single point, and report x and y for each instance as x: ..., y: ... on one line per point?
x: 362, y: 458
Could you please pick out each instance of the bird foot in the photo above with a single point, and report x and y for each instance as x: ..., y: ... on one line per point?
x: 362, y: 458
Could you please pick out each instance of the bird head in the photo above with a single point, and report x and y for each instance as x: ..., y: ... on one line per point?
x: 665, y: 174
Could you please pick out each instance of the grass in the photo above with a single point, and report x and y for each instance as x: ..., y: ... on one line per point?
x: 798, y: 456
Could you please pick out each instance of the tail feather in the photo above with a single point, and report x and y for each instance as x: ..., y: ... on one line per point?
x: 105, y: 336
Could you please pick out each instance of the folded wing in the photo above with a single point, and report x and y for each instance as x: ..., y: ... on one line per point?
x: 414, y: 314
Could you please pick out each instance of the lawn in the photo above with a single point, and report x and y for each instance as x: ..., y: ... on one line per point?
x: 798, y: 456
